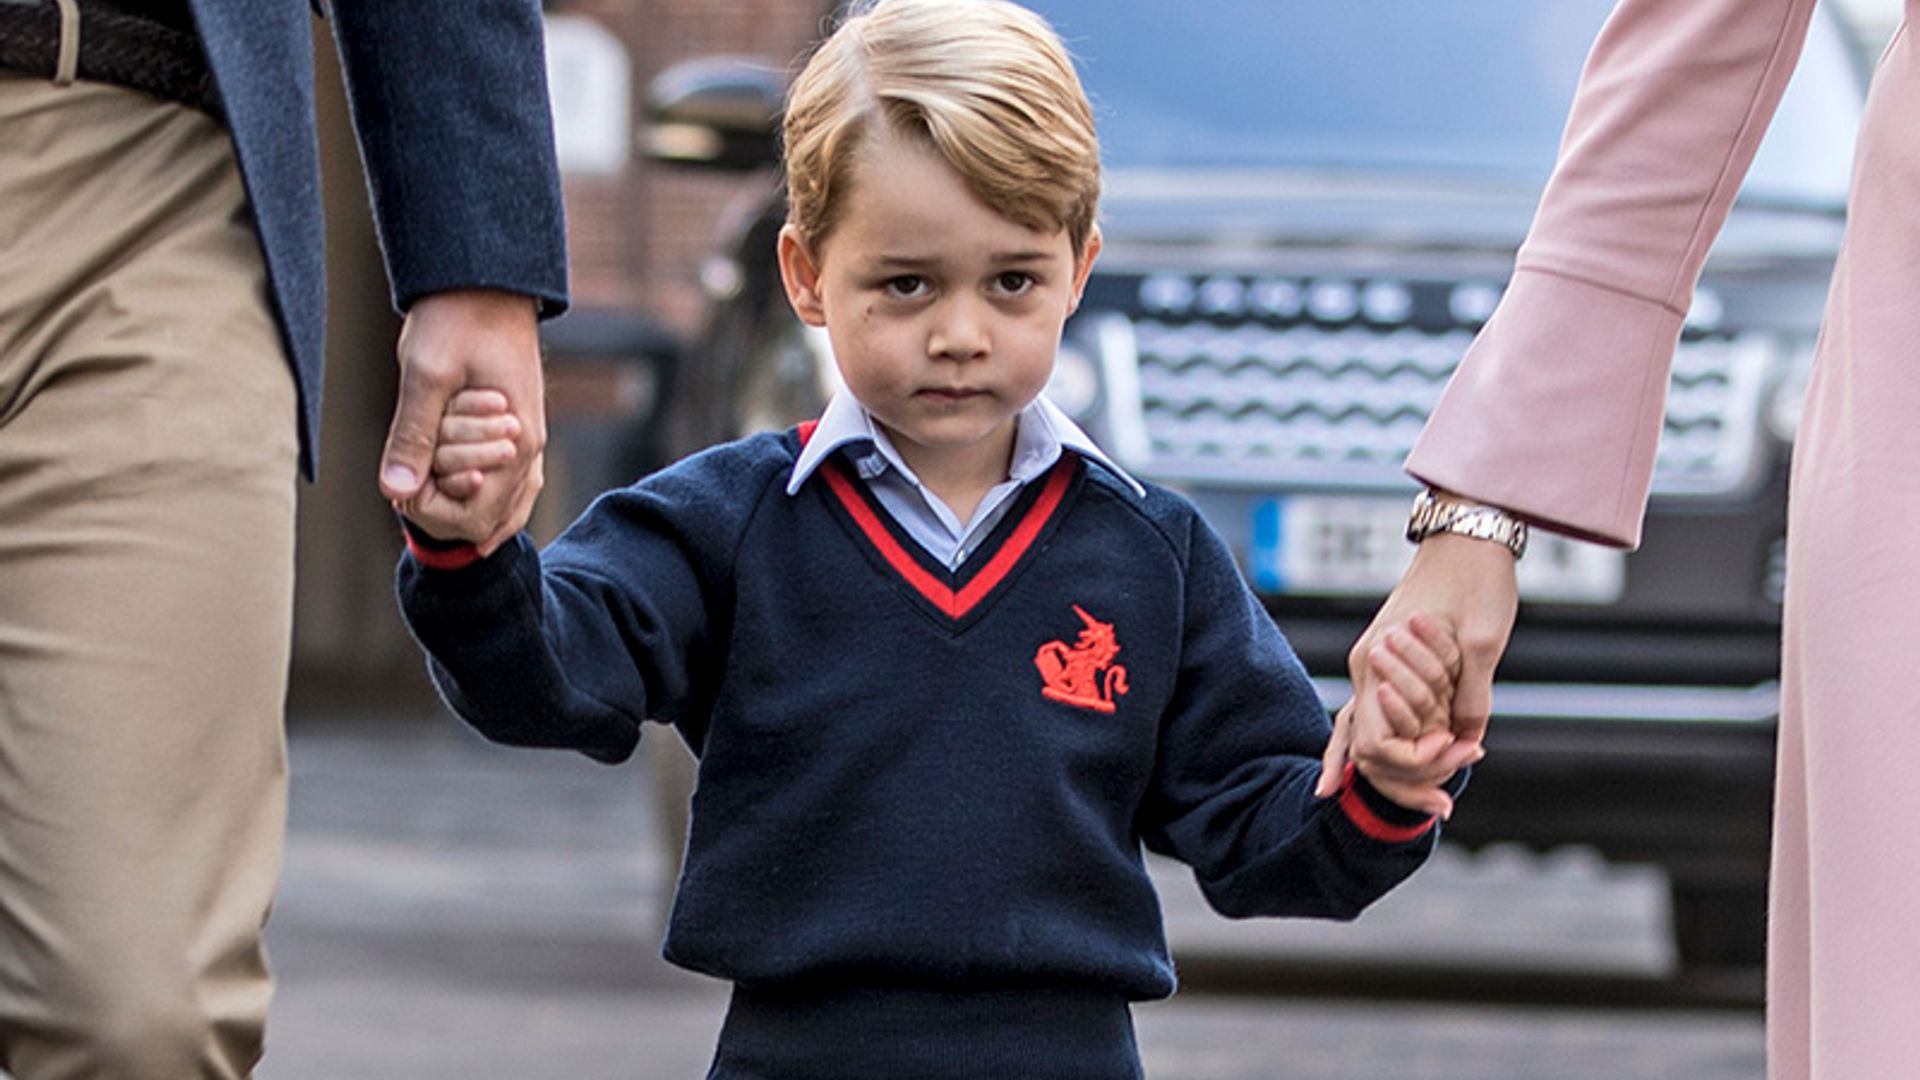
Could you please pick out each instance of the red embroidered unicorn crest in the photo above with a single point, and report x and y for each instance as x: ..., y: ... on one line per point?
x: 1084, y: 675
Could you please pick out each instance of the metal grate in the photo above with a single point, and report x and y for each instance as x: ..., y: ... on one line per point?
x: 1232, y: 394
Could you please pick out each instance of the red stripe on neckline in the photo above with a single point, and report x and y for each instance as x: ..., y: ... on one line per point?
x: 1008, y: 556
x: 954, y: 604
x: 897, y: 557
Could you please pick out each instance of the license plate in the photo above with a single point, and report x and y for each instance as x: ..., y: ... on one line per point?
x: 1319, y: 545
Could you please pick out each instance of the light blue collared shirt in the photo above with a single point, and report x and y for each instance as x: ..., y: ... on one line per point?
x: 1041, y: 432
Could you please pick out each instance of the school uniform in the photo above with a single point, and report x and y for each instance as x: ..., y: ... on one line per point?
x: 925, y: 784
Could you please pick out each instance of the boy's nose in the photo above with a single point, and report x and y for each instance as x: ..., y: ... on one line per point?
x: 959, y: 333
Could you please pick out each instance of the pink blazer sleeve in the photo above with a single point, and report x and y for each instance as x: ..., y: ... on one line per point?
x: 1556, y: 411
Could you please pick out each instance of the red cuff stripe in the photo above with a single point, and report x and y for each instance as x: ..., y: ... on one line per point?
x: 1373, y: 824
x: 455, y: 558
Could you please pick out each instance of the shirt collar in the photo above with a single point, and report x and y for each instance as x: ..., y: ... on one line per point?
x: 845, y: 421
x: 1043, y: 432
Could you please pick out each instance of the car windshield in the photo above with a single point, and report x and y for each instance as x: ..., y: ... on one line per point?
x: 1474, y: 88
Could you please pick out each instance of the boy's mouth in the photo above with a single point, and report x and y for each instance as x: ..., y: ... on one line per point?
x: 951, y: 393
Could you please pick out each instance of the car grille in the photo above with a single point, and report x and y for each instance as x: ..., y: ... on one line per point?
x: 1315, y: 384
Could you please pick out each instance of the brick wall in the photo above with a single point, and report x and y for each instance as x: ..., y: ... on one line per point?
x: 637, y: 240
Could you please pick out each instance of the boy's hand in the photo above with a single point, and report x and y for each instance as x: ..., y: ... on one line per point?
x: 475, y: 444
x: 1415, y: 751
x: 1416, y: 664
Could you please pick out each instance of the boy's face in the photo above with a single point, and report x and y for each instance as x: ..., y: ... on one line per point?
x: 944, y: 316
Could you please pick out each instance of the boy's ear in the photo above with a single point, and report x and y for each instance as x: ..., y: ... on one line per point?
x: 1084, y: 266
x: 800, y: 273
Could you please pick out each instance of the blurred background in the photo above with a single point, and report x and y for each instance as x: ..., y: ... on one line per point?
x: 1308, y: 214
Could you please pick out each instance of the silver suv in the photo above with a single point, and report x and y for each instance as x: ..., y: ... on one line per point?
x: 1310, y: 209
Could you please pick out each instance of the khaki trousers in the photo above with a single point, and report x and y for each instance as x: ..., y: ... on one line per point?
x: 147, y: 482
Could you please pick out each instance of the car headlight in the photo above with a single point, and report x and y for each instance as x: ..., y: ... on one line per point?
x: 1706, y: 312
x: 1075, y: 385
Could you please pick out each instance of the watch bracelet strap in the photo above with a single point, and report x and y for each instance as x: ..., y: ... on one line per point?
x: 1433, y: 515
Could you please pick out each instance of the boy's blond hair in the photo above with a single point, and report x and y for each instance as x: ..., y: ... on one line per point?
x: 986, y: 83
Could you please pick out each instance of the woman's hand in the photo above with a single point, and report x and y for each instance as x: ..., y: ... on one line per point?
x: 1467, y: 586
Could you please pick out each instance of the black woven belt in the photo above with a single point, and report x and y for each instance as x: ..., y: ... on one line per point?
x: 115, y: 47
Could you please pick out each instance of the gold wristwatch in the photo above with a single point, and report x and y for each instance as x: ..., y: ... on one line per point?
x: 1434, y: 513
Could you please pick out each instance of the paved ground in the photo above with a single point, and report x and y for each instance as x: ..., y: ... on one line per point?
x: 455, y: 910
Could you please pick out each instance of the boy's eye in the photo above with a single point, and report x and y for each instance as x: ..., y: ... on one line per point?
x: 1014, y: 281
x: 906, y: 286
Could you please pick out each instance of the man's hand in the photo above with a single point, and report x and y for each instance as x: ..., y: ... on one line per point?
x: 1468, y: 585
x: 459, y: 340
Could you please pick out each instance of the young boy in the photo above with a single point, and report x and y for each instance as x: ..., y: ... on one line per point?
x: 946, y: 667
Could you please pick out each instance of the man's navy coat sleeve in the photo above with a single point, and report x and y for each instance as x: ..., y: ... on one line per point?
x: 450, y: 104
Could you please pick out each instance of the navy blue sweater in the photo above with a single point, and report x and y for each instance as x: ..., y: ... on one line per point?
x: 914, y: 779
